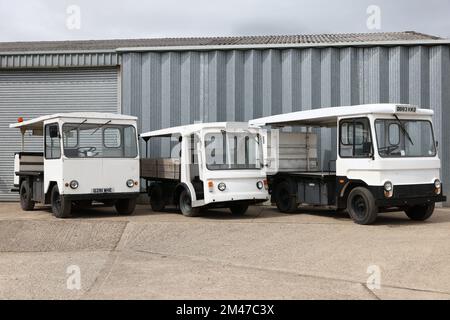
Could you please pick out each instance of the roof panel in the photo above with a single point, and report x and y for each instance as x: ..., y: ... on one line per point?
x: 328, y: 116
x: 37, y: 123
x: 111, y: 45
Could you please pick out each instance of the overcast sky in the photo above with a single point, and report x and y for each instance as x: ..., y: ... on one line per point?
x: 31, y: 20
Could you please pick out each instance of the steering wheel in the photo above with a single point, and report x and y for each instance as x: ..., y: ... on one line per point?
x: 85, y: 150
x: 388, y: 149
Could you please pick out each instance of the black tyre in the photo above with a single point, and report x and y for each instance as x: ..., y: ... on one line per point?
x: 125, y: 207
x: 61, y: 207
x: 185, y: 203
x: 361, y: 206
x: 157, y: 201
x: 25, y: 196
x: 285, y: 199
x: 420, y: 212
x: 238, y: 209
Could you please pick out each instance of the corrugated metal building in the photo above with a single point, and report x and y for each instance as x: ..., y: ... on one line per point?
x: 168, y: 82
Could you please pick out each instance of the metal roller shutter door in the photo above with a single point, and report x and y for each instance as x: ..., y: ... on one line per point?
x: 33, y: 93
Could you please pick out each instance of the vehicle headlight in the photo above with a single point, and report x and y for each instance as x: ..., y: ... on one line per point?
x: 260, y: 185
x: 130, y: 183
x: 221, y: 186
x: 74, y: 184
x: 388, y: 186
x: 437, y: 184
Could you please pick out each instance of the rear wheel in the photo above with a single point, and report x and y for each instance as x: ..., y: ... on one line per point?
x: 420, y: 212
x: 61, y: 207
x: 285, y: 200
x: 185, y: 203
x: 25, y: 196
x: 238, y: 209
x: 361, y: 206
x: 157, y: 201
x: 125, y: 207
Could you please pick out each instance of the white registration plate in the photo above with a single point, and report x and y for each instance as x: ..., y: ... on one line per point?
x: 102, y: 190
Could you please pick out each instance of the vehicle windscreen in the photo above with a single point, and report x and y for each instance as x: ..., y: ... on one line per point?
x: 405, y: 138
x: 233, y: 150
x: 103, y: 140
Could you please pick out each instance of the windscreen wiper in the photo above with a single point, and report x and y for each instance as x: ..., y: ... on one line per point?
x: 101, y: 126
x: 404, y: 129
x: 80, y: 124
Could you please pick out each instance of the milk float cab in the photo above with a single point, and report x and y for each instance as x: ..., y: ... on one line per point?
x: 211, y: 165
x: 386, y: 159
x: 86, y: 157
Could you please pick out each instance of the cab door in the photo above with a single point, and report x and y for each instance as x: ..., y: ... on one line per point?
x: 52, y: 156
x: 355, y: 150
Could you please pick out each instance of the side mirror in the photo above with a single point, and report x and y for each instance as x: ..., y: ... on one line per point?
x: 53, y: 132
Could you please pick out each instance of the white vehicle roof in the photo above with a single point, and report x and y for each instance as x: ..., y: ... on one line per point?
x: 328, y: 116
x: 37, y: 123
x: 191, y: 128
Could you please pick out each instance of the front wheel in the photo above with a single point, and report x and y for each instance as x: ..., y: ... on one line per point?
x: 238, y: 209
x: 125, y: 207
x: 420, y: 212
x: 25, y: 196
x: 185, y: 203
x: 61, y: 207
x: 361, y: 206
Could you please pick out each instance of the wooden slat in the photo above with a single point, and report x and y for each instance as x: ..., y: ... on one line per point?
x: 160, y: 168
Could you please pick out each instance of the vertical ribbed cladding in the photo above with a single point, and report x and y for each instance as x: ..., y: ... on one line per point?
x: 375, y: 75
x: 235, y: 87
x: 219, y: 111
x: 249, y: 75
x: 287, y: 74
x: 398, y: 74
x: 247, y: 84
x: 419, y: 76
x: 239, y: 80
x: 194, y: 87
x: 257, y: 83
x: 210, y: 107
x: 231, y: 87
x: 185, y: 88
x: 271, y: 77
x: 347, y: 74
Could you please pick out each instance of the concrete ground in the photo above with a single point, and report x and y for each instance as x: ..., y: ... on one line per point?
x: 264, y: 255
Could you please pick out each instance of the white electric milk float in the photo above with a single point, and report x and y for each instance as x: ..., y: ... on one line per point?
x: 84, y: 157
x: 385, y: 159
x: 208, y: 165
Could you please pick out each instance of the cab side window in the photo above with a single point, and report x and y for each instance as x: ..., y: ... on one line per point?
x: 354, y: 138
x: 52, y: 142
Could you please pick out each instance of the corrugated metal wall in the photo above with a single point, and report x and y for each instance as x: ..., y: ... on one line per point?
x: 33, y: 93
x: 171, y: 88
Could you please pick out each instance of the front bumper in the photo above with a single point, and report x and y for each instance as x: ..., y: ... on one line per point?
x: 408, y: 195
x: 225, y: 199
x: 101, y: 196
